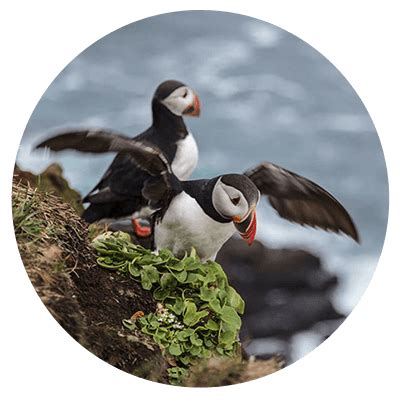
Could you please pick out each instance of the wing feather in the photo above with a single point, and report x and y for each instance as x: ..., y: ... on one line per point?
x: 302, y: 201
x: 147, y: 157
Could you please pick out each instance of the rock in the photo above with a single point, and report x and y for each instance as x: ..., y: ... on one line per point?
x: 52, y: 180
x: 286, y: 291
x: 221, y: 372
x: 261, y: 267
x: 296, y: 312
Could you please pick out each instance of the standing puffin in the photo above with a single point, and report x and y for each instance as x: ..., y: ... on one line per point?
x: 119, y: 192
x: 205, y: 213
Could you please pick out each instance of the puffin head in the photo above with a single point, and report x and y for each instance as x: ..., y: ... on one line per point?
x: 178, y: 98
x: 235, y: 197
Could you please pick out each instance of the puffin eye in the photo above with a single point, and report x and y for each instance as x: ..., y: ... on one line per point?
x: 185, y: 94
x: 235, y: 201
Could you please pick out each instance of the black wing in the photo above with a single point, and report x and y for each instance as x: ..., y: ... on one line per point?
x: 85, y: 140
x: 140, y: 173
x: 300, y: 200
x: 146, y: 157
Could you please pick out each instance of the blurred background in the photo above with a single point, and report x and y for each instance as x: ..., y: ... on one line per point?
x: 266, y: 95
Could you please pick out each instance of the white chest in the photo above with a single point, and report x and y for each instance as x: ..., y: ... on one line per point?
x: 186, y: 157
x: 185, y: 225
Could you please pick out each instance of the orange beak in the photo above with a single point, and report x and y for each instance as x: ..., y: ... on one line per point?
x: 194, y: 109
x: 247, y: 228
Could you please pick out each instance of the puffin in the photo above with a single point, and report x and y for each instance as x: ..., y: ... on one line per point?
x: 118, y: 194
x: 205, y: 213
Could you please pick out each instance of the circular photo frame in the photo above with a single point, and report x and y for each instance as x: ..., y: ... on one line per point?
x: 200, y: 198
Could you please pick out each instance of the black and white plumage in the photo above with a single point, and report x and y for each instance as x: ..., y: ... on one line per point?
x: 119, y: 192
x: 205, y: 213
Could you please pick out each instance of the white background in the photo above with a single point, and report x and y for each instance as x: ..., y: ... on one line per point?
x: 39, y: 359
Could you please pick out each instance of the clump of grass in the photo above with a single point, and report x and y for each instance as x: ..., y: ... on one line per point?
x: 27, y: 224
x: 42, y: 223
x: 34, y: 215
x: 198, y: 314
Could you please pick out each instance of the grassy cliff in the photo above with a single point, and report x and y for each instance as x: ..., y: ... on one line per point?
x: 89, y: 302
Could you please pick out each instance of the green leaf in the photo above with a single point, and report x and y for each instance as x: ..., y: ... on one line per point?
x: 129, y: 324
x: 167, y: 280
x: 191, y: 316
x: 216, y: 268
x: 165, y: 254
x: 123, y: 236
x: 215, y: 305
x: 179, y: 266
x: 195, y: 350
x: 192, y: 264
x: 146, y: 330
x: 212, y: 325
x: 193, y: 278
x: 227, y: 338
x: 195, y: 340
x: 193, y: 253
x: 156, y: 260
x: 143, y: 321
x: 107, y: 262
x: 188, y: 332
x: 177, y: 306
x: 145, y: 280
x: 209, y: 278
x: 186, y: 360
x: 207, y: 294
x: 133, y: 269
x: 153, y: 321
x: 161, y: 294
x: 190, y: 312
x: 181, y: 276
x: 181, y: 336
x: 231, y: 317
x: 175, y: 349
x: 147, y: 259
x: 222, y: 295
x: 235, y: 300
x: 152, y: 273
x: 205, y: 353
x: 154, y: 324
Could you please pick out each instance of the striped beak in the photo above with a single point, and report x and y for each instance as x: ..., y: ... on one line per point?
x: 247, y: 227
x: 194, y: 109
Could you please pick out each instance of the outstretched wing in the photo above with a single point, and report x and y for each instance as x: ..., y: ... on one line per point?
x: 300, y: 200
x: 148, y: 158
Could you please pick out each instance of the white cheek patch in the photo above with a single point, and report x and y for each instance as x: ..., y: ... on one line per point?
x: 177, y: 103
x: 221, y: 199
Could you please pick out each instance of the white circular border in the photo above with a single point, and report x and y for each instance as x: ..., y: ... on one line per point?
x: 41, y: 360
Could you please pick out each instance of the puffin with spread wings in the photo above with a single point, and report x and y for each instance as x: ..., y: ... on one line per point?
x: 119, y: 192
x: 205, y: 213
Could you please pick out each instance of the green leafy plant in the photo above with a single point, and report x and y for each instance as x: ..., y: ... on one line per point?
x: 198, y: 313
